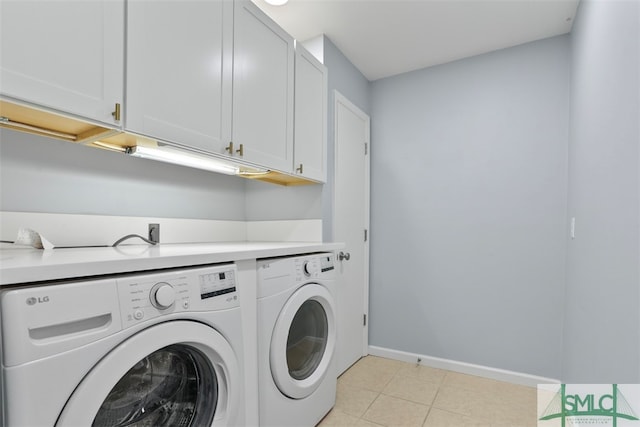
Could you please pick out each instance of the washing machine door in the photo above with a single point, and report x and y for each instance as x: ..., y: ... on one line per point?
x: 303, y: 341
x: 179, y: 373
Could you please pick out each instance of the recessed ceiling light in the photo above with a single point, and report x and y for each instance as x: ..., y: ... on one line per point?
x: 276, y: 2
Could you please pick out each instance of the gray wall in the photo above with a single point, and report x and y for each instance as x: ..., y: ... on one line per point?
x: 46, y: 175
x: 602, y: 325
x: 349, y: 81
x: 468, y: 192
x: 266, y: 202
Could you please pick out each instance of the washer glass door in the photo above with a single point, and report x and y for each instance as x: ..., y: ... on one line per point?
x: 173, y: 386
x: 175, y: 373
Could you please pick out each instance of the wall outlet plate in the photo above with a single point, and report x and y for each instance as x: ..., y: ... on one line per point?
x: 154, y: 233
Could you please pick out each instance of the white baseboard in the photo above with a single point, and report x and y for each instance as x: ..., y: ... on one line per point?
x: 87, y: 230
x: 463, y: 368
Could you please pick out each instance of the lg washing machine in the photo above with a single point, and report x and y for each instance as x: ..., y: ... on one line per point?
x: 296, y: 339
x: 156, y: 349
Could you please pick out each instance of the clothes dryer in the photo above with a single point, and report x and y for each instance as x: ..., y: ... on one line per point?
x: 296, y: 339
x: 156, y: 349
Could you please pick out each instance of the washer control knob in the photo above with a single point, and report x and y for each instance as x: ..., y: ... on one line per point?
x: 162, y: 295
x: 310, y: 268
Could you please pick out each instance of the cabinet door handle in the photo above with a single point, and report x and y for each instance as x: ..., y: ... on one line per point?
x: 299, y: 168
x: 344, y: 256
x: 116, y: 113
x: 229, y: 148
x: 240, y: 150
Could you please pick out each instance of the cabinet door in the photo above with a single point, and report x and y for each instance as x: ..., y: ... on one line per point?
x: 64, y: 55
x: 262, y: 89
x: 179, y: 66
x: 310, y: 117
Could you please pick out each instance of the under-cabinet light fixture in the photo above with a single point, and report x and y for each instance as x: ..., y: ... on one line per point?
x: 276, y: 2
x: 184, y: 158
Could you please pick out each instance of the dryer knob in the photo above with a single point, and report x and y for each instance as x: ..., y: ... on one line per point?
x: 310, y: 268
x: 163, y: 295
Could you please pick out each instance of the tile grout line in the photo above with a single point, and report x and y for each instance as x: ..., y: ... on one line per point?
x: 398, y: 375
x: 369, y: 406
x: 401, y: 373
x: 377, y: 397
x: 434, y: 398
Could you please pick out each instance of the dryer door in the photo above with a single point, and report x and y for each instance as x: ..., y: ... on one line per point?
x: 303, y: 341
x: 176, y: 373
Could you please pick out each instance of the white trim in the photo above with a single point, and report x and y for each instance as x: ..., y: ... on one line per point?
x: 303, y: 230
x: 463, y: 368
x: 339, y: 98
x: 95, y: 230
x: 249, y: 314
x: 367, y: 225
x: 84, y: 230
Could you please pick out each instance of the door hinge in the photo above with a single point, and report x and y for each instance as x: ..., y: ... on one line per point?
x: 366, y: 148
x: 364, y: 319
x: 365, y: 234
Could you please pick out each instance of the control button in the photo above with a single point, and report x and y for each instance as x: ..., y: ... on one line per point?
x: 138, y: 314
x: 162, y: 295
x: 185, y: 304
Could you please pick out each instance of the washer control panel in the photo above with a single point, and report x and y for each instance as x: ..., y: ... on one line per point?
x: 147, y: 296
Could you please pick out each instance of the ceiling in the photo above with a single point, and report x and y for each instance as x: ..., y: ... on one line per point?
x: 387, y: 37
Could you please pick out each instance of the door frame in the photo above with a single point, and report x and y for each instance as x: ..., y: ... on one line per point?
x: 339, y: 98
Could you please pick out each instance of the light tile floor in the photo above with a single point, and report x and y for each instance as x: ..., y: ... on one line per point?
x: 383, y: 392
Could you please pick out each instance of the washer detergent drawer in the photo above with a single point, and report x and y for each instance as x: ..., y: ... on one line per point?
x: 46, y: 320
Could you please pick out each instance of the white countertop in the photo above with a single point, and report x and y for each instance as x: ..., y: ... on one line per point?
x: 26, y: 265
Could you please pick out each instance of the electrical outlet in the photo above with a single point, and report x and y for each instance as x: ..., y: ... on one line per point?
x: 154, y: 233
x: 573, y: 227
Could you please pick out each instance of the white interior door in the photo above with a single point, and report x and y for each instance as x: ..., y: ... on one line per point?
x: 351, y: 225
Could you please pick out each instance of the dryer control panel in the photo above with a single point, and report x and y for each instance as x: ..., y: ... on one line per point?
x: 278, y: 274
x: 314, y: 267
x: 147, y: 296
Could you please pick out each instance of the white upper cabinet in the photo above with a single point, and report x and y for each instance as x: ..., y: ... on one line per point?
x: 64, y: 55
x: 262, y: 89
x: 179, y: 71
x: 310, y: 117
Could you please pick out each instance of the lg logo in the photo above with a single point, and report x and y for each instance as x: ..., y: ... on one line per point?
x: 34, y: 300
